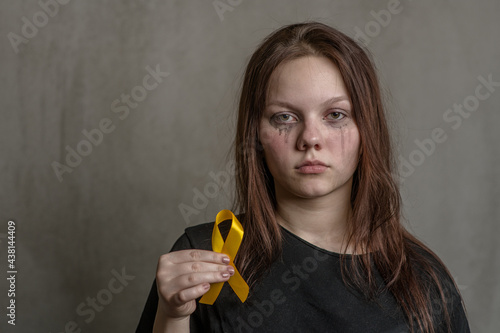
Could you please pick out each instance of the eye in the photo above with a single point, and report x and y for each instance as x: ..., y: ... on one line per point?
x: 335, y: 115
x: 284, y: 118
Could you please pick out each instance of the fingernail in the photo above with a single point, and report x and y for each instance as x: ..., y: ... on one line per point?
x: 225, y: 260
x: 225, y: 275
x: 230, y: 269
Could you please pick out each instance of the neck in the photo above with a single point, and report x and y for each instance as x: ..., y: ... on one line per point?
x: 321, y: 221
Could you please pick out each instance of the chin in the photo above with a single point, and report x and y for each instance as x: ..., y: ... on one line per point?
x: 312, y: 193
x: 312, y: 190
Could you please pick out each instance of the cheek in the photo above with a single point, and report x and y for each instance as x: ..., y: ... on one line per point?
x: 345, y: 141
x: 272, y: 138
x: 274, y: 144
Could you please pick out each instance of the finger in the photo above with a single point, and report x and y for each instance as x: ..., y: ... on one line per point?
x: 190, y: 294
x: 171, y: 271
x: 198, y: 255
x: 190, y: 280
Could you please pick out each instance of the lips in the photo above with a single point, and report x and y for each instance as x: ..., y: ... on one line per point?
x: 312, y: 167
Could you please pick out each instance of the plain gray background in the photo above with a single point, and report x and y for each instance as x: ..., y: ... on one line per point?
x: 119, y: 208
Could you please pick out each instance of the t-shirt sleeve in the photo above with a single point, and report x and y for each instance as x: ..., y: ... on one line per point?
x: 453, y: 302
x: 459, y: 322
x: 452, y: 299
x: 147, y: 320
x: 456, y: 311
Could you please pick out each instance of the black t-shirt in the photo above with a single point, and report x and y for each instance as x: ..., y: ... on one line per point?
x: 303, y: 291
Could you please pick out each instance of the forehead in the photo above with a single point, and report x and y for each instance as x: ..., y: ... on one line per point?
x: 306, y: 79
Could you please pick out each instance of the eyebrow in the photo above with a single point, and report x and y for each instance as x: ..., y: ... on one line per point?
x: 330, y: 101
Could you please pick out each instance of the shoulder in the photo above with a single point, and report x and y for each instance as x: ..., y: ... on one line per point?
x: 195, y: 237
x: 427, y: 263
x: 200, y: 231
x: 442, y: 291
x: 429, y: 267
x: 200, y: 236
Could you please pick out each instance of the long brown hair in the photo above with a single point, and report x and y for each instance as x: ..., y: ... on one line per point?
x: 375, y: 226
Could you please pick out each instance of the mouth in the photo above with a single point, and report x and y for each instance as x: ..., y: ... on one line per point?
x: 312, y: 167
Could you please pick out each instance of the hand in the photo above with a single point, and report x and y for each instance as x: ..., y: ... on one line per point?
x: 183, y: 276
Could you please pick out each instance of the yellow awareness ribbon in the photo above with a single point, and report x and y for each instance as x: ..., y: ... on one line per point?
x: 229, y: 247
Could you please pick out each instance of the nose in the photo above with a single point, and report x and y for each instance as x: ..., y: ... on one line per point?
x: 310, y: 136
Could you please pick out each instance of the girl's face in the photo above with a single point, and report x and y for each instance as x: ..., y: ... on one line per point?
x: 311, y: 143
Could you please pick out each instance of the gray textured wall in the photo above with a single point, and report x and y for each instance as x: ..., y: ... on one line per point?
x: 118, y: 208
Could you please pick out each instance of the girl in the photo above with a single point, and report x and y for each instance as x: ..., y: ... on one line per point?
x: 324, y: 249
